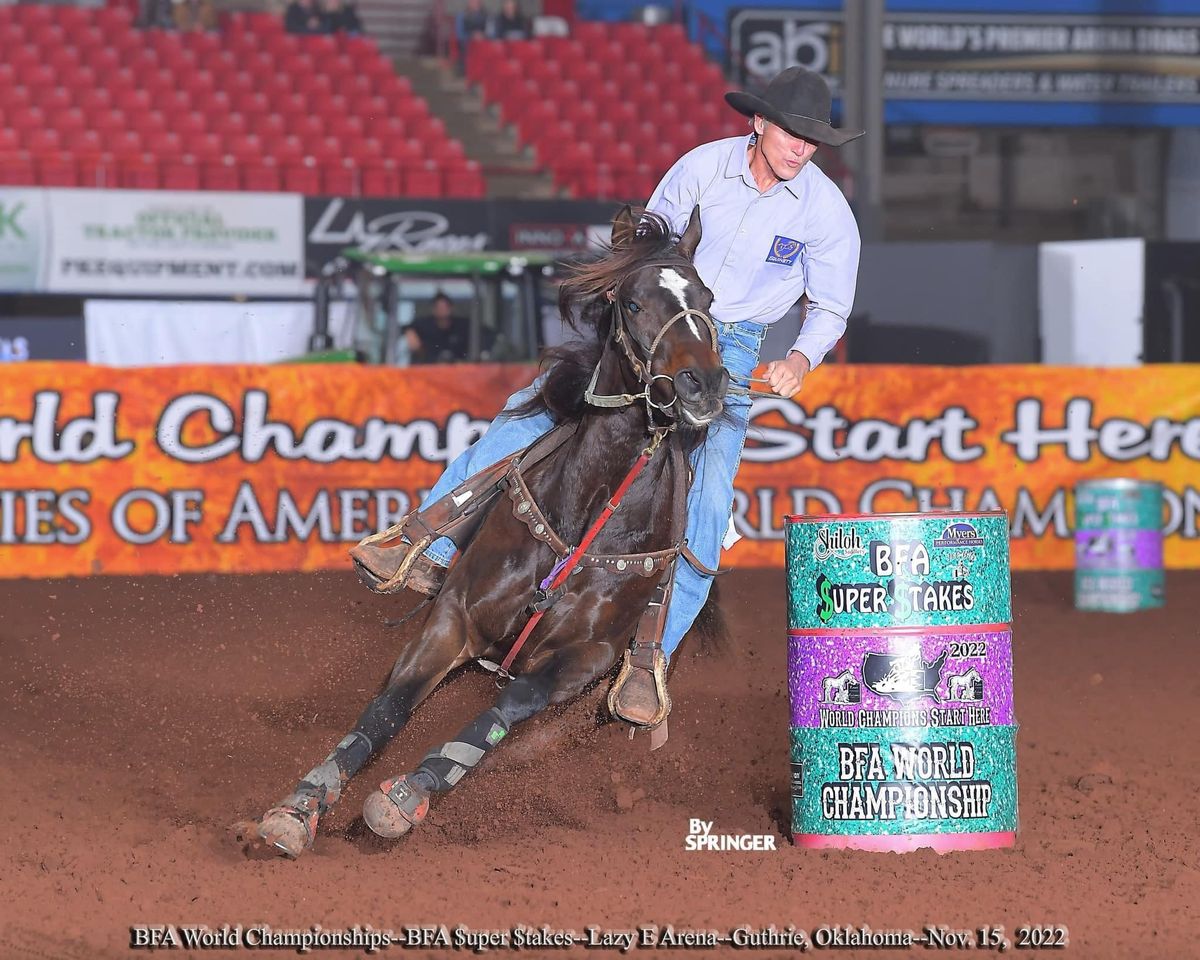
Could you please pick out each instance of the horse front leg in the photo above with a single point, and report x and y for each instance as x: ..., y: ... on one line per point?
x: 290, y: 827
x: 402, y: 802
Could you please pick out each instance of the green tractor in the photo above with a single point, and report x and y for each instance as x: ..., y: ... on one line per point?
x: 365, y: 302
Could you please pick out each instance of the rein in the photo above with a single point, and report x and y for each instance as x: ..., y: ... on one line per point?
x: 747, y: 391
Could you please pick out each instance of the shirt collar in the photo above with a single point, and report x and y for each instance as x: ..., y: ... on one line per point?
x: 738, y: 164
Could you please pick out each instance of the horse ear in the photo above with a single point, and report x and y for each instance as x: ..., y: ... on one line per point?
x: 623, y: 227
x: 691, y: 236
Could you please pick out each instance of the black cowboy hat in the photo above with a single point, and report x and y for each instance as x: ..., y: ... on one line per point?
x: 799, y: 101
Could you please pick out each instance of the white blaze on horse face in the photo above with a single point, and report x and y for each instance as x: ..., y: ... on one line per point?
x: 670, y: 279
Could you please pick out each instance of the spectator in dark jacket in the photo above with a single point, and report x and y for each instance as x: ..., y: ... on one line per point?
x: 473, y: 22
x: 302, y: 16
x: 511, y: 24
x: 342, y: 17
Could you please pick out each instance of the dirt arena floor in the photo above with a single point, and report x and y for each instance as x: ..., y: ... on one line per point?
x: 139, y: 718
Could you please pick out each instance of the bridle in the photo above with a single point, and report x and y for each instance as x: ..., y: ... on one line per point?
x: 644, y: 368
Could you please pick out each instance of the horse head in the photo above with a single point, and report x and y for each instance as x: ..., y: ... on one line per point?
x: 660, y: 319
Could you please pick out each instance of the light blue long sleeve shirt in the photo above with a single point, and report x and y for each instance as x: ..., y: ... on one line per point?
x: 759, y: 252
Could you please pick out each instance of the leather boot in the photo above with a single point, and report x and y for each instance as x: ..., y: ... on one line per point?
x: 376, y: 566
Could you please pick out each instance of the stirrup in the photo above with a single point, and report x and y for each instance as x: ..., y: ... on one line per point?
x: 641, y: 659
x: 412, y: 569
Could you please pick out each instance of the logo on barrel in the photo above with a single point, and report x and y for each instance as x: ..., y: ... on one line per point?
x: 965, y: 687
x: 902, y: 677
x: 960, y: 534
x: 840, y: 542
x: 841, y: 689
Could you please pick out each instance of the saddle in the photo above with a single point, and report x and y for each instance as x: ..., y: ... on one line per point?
x: 393, y: 559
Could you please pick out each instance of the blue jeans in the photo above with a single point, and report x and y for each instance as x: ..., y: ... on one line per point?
x: 710, y: 500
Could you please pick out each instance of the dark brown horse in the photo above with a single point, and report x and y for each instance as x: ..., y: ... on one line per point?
x: 648, y: 341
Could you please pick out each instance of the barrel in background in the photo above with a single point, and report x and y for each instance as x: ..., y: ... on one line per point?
x: 1118, y: 545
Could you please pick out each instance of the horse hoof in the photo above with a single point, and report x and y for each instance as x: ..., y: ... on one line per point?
x: 289, y: 829
x: 395, y: 808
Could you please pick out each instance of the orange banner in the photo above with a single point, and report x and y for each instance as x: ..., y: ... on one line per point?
x: 244, y: 469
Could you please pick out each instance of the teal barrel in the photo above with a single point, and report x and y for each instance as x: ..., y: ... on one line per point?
x: 903, y: 731
x: 1118, y: 545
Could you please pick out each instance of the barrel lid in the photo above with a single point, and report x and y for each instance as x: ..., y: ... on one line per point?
x: 931, y: 515
x: 905, y: 632
x: 1119, y: 483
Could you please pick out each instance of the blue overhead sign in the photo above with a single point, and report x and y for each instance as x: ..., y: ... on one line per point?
x: 981, y: 68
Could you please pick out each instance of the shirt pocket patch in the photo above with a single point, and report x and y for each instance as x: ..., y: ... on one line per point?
x: 784, y: 250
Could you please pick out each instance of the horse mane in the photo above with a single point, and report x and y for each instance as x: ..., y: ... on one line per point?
x: 567, y: 368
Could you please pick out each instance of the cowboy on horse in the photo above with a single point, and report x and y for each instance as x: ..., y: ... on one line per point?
x: 774, y: 229
x: 618, y: 463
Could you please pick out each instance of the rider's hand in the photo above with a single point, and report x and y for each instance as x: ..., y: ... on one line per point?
x: 786, y: 376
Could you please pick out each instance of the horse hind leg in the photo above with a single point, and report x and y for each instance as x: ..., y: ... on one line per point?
x: 401, y: 803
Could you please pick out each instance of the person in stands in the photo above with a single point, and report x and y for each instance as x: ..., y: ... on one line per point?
x: 341, y: 16
x: 511, y: 23
x: 303, y: 16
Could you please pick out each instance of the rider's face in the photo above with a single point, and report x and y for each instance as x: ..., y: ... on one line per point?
x: 786, y: 154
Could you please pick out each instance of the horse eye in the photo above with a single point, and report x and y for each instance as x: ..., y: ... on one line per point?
x: 632, y: 306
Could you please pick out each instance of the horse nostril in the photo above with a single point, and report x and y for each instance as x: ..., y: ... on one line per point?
x: 687, y: 383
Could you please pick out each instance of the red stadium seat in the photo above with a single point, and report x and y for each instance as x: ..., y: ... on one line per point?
x: 287, y: 149
x: 95, y: 100
x: 307, y: 128
x: 262, y: 175
x: 226, y: 124
x: 190, y: 122
x: 340, y: 179
x: 124, y: 143
x: 303, y: 177
x: 220, y: 174
x: 464, y: 180
x: 52, y: 99
x: 69, y: 120
x: 181, y: 173
x: 165, y: 144
x: 57, y: 169
x: 423, y: 181
x: 345, y: 128
x: 41, y: 140
x: 245, y: 146
x: 83, y: 141
x: 138, y: 171
x: 204, y: 145
x: 380, y: 178
x: 17, y: 169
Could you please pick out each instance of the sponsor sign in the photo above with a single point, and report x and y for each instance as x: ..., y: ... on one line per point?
x: 147, y: 242
x: 556, y: 237
x: 22, y: 239
x: 253, y: 468
x: 451, y: 226
x: 331, y: 224
x: 986, y: 56
x: 763, y: 42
